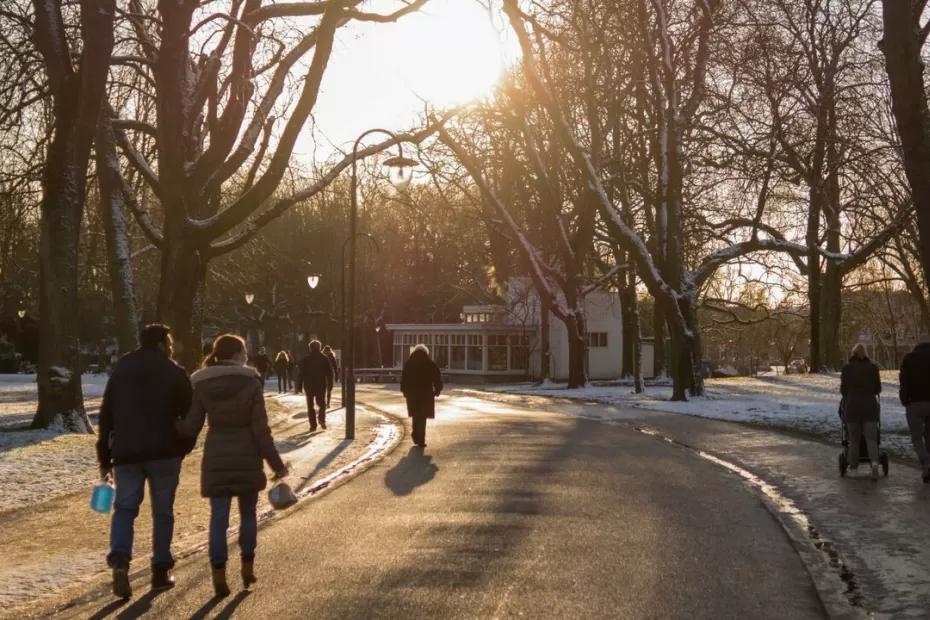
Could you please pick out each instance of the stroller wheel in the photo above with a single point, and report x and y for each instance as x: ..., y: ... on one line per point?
x: 883, y: 460
x: 843, y: 464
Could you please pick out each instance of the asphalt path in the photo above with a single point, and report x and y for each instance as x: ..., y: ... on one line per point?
x: 511, y: 512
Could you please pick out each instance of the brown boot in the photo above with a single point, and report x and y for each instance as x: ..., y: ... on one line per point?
x: 248, y: 573
x: 220, y: 587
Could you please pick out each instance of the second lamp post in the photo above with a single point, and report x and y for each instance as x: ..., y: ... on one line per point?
x: 401, y: 172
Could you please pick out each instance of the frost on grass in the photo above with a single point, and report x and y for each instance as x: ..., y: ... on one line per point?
x: 806, y: 403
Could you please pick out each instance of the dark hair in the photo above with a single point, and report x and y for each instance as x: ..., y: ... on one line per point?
x: 315, y: 345
x: 224, y: 348
x: 153, y: 335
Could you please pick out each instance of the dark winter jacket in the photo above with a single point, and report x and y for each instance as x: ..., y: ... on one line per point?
x: 262, y: 364
x: 145, y: 395
x: 421, y: 383
x: 315, y: 374
x: 332, y: 362
x: 860, y: 384
x: 229, y: 397
x: 281, y: 364
x: 915, y: 375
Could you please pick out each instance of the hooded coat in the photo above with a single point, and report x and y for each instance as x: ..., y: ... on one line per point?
x: 229, y: 397
x: 860, y: 384
x: 421, y: 383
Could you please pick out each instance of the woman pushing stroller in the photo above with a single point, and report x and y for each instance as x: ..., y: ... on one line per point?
x: 860, y: 385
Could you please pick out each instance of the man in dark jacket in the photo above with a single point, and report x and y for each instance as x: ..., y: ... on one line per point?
x: 137, y: 441
x: 915, y: 396
x: 316, y: 376
x: 262, y: 363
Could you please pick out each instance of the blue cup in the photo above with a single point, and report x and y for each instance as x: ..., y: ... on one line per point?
x: 101, y: 500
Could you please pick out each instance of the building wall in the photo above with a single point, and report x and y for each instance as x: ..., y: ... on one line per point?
x: 602, y: 311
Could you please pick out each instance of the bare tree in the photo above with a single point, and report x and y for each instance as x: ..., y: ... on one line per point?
x: 77, y: 93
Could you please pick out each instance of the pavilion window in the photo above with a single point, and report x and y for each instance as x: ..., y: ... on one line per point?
x: 497, y: 352
x: 457, y: 352
x: 475, y: 352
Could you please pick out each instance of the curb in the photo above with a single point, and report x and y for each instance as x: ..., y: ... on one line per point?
x: 389, y: 435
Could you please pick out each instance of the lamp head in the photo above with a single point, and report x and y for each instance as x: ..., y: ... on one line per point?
x: 21, y: 314
x: 249, y: 298
x: 400, y: 171
x: 313, y: 281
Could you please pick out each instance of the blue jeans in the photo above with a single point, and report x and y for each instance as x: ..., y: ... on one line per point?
x: 163, y: 477
x: 219, y: 524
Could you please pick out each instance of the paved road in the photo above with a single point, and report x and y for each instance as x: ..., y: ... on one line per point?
x: 513, y: 512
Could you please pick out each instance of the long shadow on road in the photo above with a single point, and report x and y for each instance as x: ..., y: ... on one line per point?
x: 413, y: 470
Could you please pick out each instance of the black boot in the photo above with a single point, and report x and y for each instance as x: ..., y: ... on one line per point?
x: 121, y: 585
x: 162, y: 579
x: 220, y: 587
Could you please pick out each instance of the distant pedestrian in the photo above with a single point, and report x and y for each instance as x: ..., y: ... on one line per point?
x: 315, y: 377
x: 137, y: 441
x: 915, y: 396
x: 293, y: 365
x: 228, y: 395
x: 421, y: 383
x: 331, y: 356
x: 262, y: 363
x: 860, y: 385
x: 281, y: 364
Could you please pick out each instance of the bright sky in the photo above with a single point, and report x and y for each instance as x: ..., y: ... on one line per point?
x: 448, y: 53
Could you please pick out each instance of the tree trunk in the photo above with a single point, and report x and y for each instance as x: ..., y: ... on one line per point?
x: 658, y: 329
x: 112, y: 214
x: 180, y: 300
x: 831, y: 315
x: 901, y: 45
x: 577, y: 349
x: 545, y: 352
x: 630, y: 326
x: 76, y: 98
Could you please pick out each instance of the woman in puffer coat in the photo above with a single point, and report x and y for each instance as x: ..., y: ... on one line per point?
x: 860, y: 384
x: 228, y: 395
x: 421, y: 383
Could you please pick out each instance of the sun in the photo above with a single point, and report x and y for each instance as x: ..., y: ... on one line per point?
x: 456, y: 52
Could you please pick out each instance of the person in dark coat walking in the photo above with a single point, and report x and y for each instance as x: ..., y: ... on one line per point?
x: 331, y: 356
x: 915, y: 396
x: 293, y: 365
x: 262, y: 363
x: 315, y: 376
x: 228, y: 395
x: 137, y: 441
x: 860, y: 385
x: 281, y: 364
x: 421, y: 383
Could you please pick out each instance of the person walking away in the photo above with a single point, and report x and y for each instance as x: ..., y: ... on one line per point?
x: 262, y: 364
x: 915, y: 396
x: 228, y: 395
x: 860, y: 385
x: 280, y: 370
x: 421, y: 383
x: 315, y: 376
x: 292, y: 368
x: 331, y: 356
x: 137, y: 442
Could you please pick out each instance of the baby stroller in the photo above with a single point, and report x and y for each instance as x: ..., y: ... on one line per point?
x: 863, y: 449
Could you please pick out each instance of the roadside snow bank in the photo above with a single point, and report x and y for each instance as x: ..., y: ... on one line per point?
x: 806, y: 403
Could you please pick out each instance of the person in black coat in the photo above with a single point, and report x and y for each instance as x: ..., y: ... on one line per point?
x: 262, y: 363
x: 331, y: 356
x: 137, y: 442
x: 860, y: 385
x: 421, y: 383
x: 915, y: 396
x: 281, y: 370
x: 315, y: 375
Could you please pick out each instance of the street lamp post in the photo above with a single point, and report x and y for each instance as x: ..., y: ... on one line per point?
x: 400, y: 175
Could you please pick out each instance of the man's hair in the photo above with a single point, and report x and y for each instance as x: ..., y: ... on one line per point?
x: 315, y: 345
x: 153, y: 335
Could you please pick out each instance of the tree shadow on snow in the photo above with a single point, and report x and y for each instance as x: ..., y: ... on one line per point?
x: 412, y: 471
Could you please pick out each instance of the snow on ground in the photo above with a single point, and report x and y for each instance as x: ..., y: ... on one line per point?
x: 806, y: 403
